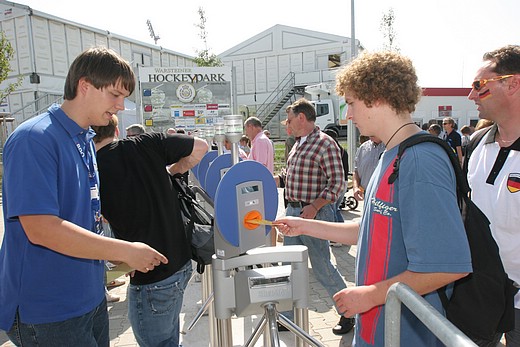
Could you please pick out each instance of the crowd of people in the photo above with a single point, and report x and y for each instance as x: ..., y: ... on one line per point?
x: 76, y: 172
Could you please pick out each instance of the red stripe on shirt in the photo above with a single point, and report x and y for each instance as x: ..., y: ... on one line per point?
x: 379, y: 240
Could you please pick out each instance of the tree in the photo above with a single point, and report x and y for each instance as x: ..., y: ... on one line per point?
x: 204, y: 57
x: 387, y: 29
x: 6, y: 54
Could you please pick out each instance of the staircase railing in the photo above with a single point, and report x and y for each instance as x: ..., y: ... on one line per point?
x: 26, y: 112
x: 36, y: 107
x: 276, y: 100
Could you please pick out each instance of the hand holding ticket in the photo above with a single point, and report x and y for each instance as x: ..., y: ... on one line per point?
x: 261, y: 222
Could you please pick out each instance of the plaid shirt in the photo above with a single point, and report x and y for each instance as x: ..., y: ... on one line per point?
x: 314, y: 169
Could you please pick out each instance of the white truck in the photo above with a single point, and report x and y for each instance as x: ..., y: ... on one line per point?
x: 331, y: 110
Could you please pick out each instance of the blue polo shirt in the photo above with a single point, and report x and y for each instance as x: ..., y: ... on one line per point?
x: 45, y: 174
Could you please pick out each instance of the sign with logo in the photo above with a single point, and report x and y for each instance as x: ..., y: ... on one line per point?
x: 184, y: 96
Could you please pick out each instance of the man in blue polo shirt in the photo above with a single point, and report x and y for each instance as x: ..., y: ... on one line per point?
x: 52, y: 269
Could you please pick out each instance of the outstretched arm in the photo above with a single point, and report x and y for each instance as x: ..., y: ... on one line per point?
x: 346, y: 233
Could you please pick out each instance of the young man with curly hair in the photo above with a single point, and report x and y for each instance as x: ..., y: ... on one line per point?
x: 398, y: 237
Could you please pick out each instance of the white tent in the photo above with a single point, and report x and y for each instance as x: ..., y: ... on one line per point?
x: 127, y: 117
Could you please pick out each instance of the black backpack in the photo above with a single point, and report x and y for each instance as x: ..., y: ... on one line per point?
x: 482, y: 303
x: 198, y: 224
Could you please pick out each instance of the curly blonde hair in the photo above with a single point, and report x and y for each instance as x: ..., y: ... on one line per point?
x: 381, y: 76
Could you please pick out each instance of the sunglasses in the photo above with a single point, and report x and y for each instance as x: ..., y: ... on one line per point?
x: 479, y: 84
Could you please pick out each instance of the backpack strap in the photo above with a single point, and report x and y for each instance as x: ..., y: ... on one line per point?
x: 462, y: 181
x: 187, y: 194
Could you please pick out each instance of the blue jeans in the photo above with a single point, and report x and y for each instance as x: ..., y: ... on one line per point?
x: 153, y: 309
x: 89, y: 330
x: 319, y: 252
x: 337, y: 211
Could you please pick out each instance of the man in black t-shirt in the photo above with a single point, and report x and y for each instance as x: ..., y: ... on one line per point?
x: 452, y: 137
x: 140, y: 203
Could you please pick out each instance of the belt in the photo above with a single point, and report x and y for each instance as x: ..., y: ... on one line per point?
x: 300, y: 204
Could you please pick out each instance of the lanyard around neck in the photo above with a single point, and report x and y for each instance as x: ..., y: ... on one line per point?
x: 86, y: 153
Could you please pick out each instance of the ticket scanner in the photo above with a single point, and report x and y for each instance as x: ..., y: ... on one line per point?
x: 242, y: 283
x: 246, y: 192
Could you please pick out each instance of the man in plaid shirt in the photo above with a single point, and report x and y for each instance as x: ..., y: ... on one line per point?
x: 313, y: 182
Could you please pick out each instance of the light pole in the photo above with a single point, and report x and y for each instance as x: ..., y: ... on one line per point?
x: 351, y: 129
x: 353, y: 47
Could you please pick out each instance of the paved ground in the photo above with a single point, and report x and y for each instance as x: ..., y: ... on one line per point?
x: 322, y: 316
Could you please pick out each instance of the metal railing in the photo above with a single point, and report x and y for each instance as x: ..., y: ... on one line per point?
x: 441, y: 327
x: 277, y: 98
x: 26, y: 112
x: 36, y: 107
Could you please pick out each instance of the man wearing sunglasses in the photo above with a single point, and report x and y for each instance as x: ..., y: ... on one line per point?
x: 452, y: 136
x: 494, y: 166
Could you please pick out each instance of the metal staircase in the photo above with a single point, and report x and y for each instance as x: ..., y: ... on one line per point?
x: 278, y: 98
x: 36, y: 107
x: 9, y: 121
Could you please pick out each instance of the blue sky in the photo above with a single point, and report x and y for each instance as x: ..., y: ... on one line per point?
x: 444, y: 38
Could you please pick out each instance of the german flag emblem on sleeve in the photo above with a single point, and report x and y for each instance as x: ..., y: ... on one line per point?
x: 513, y: 182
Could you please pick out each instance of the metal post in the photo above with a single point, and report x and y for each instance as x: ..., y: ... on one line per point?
x: 220, y: 136
x: 225, y: 335
x: 207, y: 281
x: 432, y: 319
x: 233, y: 128
x: 209, y: 133
x: 206, y: 290
x: 392, y: 319
x: 301, y: 318
x: 351, y: 129
x: 272, y: 327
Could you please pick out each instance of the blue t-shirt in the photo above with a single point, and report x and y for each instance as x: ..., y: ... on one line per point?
x: 44, y: 174
x: 413, y: 224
